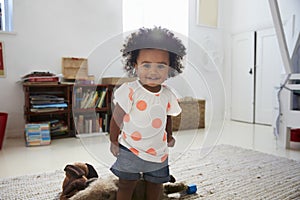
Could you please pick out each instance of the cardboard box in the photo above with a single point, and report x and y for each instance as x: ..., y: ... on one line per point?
x: 74, y: 68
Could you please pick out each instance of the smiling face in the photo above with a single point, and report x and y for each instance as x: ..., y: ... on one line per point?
x: 152, y: 67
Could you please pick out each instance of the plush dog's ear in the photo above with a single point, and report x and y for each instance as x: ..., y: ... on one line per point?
x: 172, y: 179
x: 74, y: 171
x: 74, y: 186
x: 92, y: 172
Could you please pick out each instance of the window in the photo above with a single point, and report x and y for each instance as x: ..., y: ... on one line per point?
x: 6, y: 15
x: 171, y: 14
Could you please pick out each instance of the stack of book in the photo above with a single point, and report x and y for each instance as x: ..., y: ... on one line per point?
x: 58, y: 127
x: 37, y: 134
x: 86, y: 124
x: 90, y: 99
x: 40, y: 78
x: 47, y: 103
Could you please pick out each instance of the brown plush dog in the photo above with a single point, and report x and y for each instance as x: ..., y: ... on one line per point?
x: 78, y: 177
x: 82, y: 183
x: 106, y: 189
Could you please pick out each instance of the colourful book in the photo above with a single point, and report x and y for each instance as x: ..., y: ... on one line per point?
x: 54, y: 105
x: 102, y: 97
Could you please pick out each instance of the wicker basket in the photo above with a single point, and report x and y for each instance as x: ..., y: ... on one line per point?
x: 192, y: 115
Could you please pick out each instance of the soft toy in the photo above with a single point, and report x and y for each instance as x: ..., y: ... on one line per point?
x: 91, y: 188
x: 78, y: 177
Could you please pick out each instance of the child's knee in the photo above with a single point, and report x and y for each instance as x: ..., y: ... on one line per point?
x: 154, y: 190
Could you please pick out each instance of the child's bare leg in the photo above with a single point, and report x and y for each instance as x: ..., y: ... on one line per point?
x: 126, y: 189
x: 153, y: 190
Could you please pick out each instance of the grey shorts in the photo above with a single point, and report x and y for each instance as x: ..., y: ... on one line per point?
x: 128, y: 166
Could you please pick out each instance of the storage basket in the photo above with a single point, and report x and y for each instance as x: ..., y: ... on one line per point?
x: 74, y: 68
x: 192, y: 115
x: 37, y: 134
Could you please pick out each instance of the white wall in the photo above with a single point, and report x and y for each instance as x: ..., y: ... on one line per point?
x: 206, y: 51
x: 46, y: 31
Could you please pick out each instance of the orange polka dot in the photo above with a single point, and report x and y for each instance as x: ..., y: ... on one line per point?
x: 136, y: 136
x: 157, y: 95
x: 130, y: 94
x: 156, y: 123
x: 135, y: 151
x: 164, y: 158
x: 124, y: 135
x: 168, y: 106
x: 126, y: 118
x: 141, y: 105
x: 151, y: 151
x: 165, y: 137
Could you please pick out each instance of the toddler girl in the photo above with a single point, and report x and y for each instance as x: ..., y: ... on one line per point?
x: 141, y: 126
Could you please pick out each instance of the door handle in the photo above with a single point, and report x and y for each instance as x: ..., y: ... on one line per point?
x: 250, y: 71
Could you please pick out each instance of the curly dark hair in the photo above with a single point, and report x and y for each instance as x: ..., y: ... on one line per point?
x: 155, y: 38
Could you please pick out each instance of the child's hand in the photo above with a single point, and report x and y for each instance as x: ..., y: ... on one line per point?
x: 114, y: 148
x: 171, y: 143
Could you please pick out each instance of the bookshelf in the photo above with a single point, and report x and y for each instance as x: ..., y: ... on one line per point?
x: 91, y: 108
x: 51, y: 103
x: 71, y: 109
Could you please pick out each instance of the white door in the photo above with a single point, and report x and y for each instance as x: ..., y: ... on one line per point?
x: 242, y: 77
x: 269, y: 67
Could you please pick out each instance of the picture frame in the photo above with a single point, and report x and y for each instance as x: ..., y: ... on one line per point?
x: 2, y: 63
x: 208, y: 13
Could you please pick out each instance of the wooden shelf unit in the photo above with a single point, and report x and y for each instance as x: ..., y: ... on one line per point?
x: 72, y: 111
x: 64, y: 115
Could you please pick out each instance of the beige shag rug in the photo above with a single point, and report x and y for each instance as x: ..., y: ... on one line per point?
x: 227, y: 172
